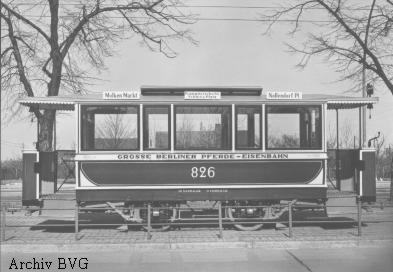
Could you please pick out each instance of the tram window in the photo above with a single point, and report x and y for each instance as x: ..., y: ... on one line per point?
x: 248, y: 127
x: 110, y: 128
x: 156, y: 127
x: 203, y: 127
x: 293, y: 127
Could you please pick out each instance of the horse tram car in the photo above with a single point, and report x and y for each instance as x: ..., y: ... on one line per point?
x: 148, y: 153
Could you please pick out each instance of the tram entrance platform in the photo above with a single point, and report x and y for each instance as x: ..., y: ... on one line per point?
x: 63, y: 199
x: 340, y: 202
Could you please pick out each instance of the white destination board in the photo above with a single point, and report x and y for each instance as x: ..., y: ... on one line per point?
x: 194, y: 95
x: 121, y: 95
x: 284, y: 95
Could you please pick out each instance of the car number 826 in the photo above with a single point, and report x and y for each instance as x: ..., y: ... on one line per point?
x: 203, y: 172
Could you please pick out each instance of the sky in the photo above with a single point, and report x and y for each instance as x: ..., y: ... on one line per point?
x: 234, y: 53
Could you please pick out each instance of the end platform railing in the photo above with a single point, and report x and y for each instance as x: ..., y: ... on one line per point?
x: 220, y: 221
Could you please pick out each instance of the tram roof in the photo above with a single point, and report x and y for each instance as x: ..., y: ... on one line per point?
x: 176, y: 94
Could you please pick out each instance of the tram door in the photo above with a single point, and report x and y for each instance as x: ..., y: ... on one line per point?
x: 39, y: 176
x: 367, y: 177
x: 342, y: 166
x: 354, y: 171
x: 48, y: 172
x: 347, y: 159
x: 30, y: 178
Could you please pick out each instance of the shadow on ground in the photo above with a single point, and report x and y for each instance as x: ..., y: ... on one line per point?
x: 86, y: 221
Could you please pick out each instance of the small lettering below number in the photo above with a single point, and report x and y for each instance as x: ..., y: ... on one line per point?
x: 203, y: 172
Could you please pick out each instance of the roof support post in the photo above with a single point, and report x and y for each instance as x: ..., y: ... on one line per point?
x: 361, y: 126
x: 38, y: 134
x: 54, y: 132
x: 338, y: 180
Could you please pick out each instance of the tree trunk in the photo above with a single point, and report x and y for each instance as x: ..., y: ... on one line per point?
x: 45, y: 136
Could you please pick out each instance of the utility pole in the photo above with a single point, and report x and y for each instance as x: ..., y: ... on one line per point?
x: 363, y: 109
x: 362, y: 112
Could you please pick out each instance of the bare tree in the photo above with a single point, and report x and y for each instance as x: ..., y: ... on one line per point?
x: 346, y: 135
x: 209, y: 136
x: 350, y: 35
x: 198, y: 133
x: 378, y: 144
x: 48, y: 47
x: 114, y: 132
x: 11, y: 169
x: 284, y: 140
x: 183, y: 132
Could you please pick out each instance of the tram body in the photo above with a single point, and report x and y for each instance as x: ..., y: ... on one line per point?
x: 171, y: 145
x: 183, y: 149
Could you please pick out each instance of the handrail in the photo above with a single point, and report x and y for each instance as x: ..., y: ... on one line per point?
x: 217, y: 220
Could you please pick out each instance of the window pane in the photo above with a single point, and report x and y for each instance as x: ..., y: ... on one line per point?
x: 283, y: 130
x: 156, y: 127
x: 109, y: 128
x: 203, y: 127
x: 248, y: 132
x: 291, y: 127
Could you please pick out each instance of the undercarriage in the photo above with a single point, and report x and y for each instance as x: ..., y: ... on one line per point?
x: 240, y: 215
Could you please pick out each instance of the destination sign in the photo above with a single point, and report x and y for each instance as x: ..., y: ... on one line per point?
x: 284, y: 95
x: 199, y: 156
x: 196, y: 95
x: 133, y: 95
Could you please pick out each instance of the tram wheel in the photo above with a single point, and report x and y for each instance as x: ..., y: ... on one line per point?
x: 243, y: 227
x: 161, y: 226
x: 157, y: 228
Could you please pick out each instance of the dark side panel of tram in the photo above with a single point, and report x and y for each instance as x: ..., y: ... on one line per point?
x: 179, y: 173
x: 183, y: 195
x: 368, y: 176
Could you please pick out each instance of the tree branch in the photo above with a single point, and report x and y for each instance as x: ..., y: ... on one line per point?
x: 374, y: 58
x: 277, y: 15
x: 18, y: 58
x: 25, y: 43
x: 25, y: 20
x: 5, y: 51
x: 66, y: 44
x: 45, y: 70
x: 55, y: 53
x: 351, y: 25
x: 137, y: 30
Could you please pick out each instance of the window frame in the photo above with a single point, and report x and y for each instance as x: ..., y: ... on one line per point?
x: 259, y: 107
x: 145, y: 128
x: 319, y: 106
x: 84, y: 128
x: 229, y: 148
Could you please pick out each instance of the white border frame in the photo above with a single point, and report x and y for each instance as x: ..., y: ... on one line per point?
x: 102, y: 155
